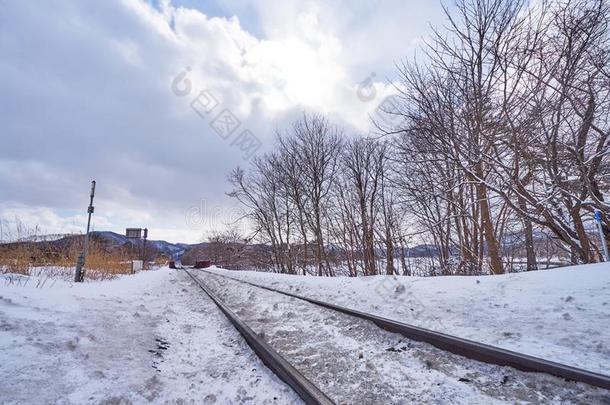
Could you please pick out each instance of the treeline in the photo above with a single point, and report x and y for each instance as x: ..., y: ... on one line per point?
x: 499, y: 137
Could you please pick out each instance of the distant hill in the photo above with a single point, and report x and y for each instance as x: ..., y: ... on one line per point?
x: 172, y: 250
x: 46, y: 238
x: 112, y: 240
x: 229, y: 255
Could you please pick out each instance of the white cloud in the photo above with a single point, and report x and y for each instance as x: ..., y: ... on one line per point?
x: 87, y: 95
x: 20, y: 221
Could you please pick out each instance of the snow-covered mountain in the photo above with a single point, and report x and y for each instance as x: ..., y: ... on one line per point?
x: 172, y: 250
x: 112, y: 239
x: 45, y: 238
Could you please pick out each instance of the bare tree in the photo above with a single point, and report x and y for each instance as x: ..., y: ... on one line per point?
x: 318, y: 143
x: 503, y: 145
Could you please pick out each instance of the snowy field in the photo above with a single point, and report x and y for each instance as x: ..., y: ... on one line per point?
x: 148, y: 338
x: 559, y: 314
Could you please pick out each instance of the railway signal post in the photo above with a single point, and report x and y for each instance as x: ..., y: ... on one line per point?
x: 79, y: 274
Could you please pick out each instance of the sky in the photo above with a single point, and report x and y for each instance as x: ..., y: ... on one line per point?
x: 159, y: 100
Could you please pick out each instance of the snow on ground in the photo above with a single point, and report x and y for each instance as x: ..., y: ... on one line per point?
x: 151, y: 337
x: 560, y: 314
x: 355, y: 362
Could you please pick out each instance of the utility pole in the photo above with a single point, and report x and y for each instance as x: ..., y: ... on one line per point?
x: 79, y: 274
x: 598, y: 219
x: 144, y: 249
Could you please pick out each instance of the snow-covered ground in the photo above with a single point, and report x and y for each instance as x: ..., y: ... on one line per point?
x: 152, y: 337
x: 560, y: 314
x: 355, y: 362
x: 155, y: 337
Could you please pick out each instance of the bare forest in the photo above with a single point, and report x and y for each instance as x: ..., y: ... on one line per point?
x: 492, y: 157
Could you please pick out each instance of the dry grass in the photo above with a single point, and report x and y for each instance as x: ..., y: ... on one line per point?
x: 31, y: 260
x: 17, y: 259
x: 101, y: 263
x: 22, y: 259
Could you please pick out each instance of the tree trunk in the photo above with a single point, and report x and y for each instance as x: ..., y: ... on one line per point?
x: 389, y: 248
x: 495, y: 262
x: 530, y: 253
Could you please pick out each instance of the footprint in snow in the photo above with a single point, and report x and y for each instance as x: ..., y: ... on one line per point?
x: 8, y: 301
x: 162, y: 345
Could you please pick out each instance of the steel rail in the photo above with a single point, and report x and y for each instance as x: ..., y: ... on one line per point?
x: 460, y: 346
x: 304, y: 388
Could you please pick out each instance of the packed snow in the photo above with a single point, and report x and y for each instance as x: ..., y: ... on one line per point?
x: 560, y: 314
x: 151, y: 337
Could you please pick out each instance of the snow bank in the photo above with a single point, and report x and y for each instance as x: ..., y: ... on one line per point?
x: 560, y: 314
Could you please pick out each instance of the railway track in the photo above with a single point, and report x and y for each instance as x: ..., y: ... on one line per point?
x: 462, y: 347
x: 282, y: 368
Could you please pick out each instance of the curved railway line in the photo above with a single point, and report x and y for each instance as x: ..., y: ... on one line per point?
x: 311, y: 394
